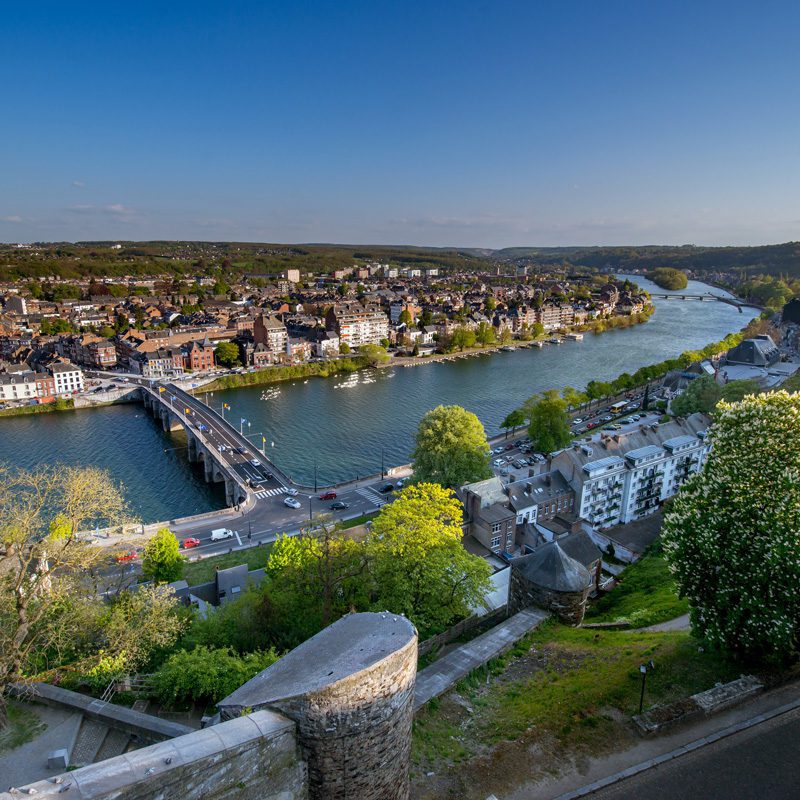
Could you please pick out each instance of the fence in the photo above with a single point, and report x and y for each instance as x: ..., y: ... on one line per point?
x: 460, y: 628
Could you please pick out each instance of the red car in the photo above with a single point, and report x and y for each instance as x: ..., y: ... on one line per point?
x: 122, y: 558
x: 331, y: 495
x: 190, y: 542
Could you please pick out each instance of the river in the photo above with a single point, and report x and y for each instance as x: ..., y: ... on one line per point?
x: 348, y: 423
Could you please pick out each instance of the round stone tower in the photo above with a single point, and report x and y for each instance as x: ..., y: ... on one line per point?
x: 550, y: 579
x: 350, y: 690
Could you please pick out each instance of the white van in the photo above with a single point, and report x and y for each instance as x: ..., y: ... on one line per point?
x: 219, y: 534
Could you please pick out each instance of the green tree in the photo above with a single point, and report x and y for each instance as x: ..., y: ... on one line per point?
x: 462, y: 338
x: 374, y: 354
x: 702, y: 394
x: 490, y: 304
x: 227, y: 354
x: 573, y: 397
x: 106, y: 331
x: 405, y: 317
x: 513, y: 420
x: 506, y: 336
x: 537, y: 330
x: 596, y: 390
x: 385, y: 344
x: 207, y: 674
x: 668, y: 278
x: 162, y: 561
x: 484, y: 334
x: 419, y: 566
x: 451, y: 448
x: 735, y: 391
x: 548, y: 421
x: 730, y: 535
x: 220, y: 288
x: 344, y: 348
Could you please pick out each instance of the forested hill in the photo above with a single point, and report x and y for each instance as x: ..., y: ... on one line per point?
x: 775, y: 259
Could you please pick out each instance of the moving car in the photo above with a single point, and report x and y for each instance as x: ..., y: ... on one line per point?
x: 339, y: 506
x: 331, y: 495
x: 255, y: 462
x: 577, y: 421
x: 218, y: 534
x: 291, y: 492
x: 291, y: 502
x: 386, y: 488
x: 190, y: 542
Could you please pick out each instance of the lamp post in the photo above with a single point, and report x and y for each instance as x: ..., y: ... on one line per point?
x: 382, y: 469
x: 644, y: 669
x: 310, y: 512
x: 315, y: 474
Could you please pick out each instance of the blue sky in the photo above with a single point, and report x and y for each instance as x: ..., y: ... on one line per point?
x: 483, y: 124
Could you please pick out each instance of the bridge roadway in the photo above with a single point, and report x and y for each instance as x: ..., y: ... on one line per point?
x: 264, y: 515
x: 709, y: 297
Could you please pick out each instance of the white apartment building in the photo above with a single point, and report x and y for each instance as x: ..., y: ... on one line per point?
x: 357, y: 326
x: 18, y: 386
x: 625, y: 477
x: 67, y: 378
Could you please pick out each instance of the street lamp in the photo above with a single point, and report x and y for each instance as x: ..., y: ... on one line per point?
x: 644, y: 669
x: 382, y: 469
x: 310, y: 512
x: 315, y: 474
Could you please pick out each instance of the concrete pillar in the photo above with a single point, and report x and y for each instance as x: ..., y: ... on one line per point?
x: 350, y: 690
x: 231, y: 491
x: 192, y: 448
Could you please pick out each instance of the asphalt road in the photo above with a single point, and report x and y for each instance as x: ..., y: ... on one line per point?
x: 760, y: 763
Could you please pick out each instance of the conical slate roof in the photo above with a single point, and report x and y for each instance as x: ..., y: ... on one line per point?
x: 551, y: 568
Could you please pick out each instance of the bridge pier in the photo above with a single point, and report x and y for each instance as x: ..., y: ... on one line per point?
x: 194, y: 456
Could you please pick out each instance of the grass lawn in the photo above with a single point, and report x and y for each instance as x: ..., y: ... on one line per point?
x: 352, y: 523
x: 562, y: 693
x: 646, y: 595
x: 23, y: 726
x: 203, y: 571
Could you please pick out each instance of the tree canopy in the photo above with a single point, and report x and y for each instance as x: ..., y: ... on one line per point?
x: 731, y: 534
x: 451, y: 448
x: 162, y: 561
x: 227, y: 354
x: 548, y: 421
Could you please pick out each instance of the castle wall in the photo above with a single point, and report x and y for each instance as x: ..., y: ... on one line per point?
x: 568, y: 606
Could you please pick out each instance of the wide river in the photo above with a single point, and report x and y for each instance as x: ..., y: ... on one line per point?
x: 346, y: 424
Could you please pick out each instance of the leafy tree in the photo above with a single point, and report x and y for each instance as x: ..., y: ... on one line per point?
x: 344, y: 348
x: 596, y: 390
x: 668, y: 278
x: 490, y: 304
x: 374, y: 354
x: 573, y: 397
x: 463, y: 338
x: 419, y: 566
x: 227, y: 354
x: 730, y: 535
x: 106, y: 332
x: 415, y: 350
x: 220, y: 287
x: 451, y: 448
x: 702, y: 394
x: 735, y: 391
x: 548, y: 421
x: 484, y: 334
x: 385, y: 344
x: 405, y: 317
x: 506, y: 336
x: 537, y: 330
x: 162, y: 561
x: 513, y: 420
x: 207, y: 674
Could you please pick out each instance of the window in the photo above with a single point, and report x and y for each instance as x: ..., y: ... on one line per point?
x: 496, y: 541
x: 508, y: 539
x: 496, y: 527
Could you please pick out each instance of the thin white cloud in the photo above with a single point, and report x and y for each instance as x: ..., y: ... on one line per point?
x: 11, y: 218
x: 79, y: 184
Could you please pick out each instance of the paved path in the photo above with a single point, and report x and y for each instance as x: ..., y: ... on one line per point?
x: 678, y: 624
x: 443, y: 674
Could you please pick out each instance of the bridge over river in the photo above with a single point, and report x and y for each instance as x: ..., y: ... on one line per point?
x: 709, y: 297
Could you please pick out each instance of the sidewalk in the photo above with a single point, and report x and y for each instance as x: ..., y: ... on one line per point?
x: 582, y: 780
x: 443, y: 674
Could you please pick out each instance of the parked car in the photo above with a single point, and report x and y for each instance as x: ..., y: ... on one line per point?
x: 386, y: 488
x: 124, y: 558
x: 339, y: 506
x: 498, y: 462
x: 291, y: 492
x: 218, y: 534
x: 331, y: 495
x: 509, y: 446
x: 400, y: 483
x: 607, y: 418
x: 577, y: 421
x: 192, y: 541
x: 291, y: 502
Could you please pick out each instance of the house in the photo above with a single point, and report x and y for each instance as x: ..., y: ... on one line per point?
x: 198, y: 356
x: 488, y: 515
x: 67, y: 378
x: 760, y: 351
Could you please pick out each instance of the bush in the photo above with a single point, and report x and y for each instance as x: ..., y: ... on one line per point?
x: 207, y: 675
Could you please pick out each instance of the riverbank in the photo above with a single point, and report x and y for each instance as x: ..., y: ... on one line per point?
x: 262, y: 377
x: 44, y: 408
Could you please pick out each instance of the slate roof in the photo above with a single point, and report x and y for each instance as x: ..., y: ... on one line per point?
x: 551, y: 568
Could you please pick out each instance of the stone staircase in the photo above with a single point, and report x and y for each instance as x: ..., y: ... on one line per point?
x: 89, y: 741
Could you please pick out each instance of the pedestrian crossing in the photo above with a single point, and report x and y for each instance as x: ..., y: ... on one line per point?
x: 372, y: 496
x: 265, y: 493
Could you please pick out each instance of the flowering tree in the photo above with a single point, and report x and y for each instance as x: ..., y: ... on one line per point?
x: 732, y: 535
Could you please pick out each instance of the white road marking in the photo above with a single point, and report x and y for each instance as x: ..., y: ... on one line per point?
x: 237, y: 538
x: 372, y: 496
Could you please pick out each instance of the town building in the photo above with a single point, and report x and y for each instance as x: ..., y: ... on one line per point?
x: 67, y: 378
x: 270, y: 331
x: 357, y: 325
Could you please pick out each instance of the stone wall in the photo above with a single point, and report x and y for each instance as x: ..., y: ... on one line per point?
x: 568, y: 606
x: 249, y: 758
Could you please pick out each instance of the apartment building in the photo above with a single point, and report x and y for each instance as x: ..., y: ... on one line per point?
x: 624, y: 477
x: 357, y: 325
x: 18, y: 386
x: 270, y: 331
x: 67, y: 378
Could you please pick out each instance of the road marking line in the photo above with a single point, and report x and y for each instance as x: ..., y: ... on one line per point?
x: 237, y: 538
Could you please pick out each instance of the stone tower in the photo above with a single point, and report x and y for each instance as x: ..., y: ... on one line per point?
x: 350, y: 691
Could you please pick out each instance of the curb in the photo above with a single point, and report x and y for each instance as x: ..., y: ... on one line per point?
x: 690, y: 747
